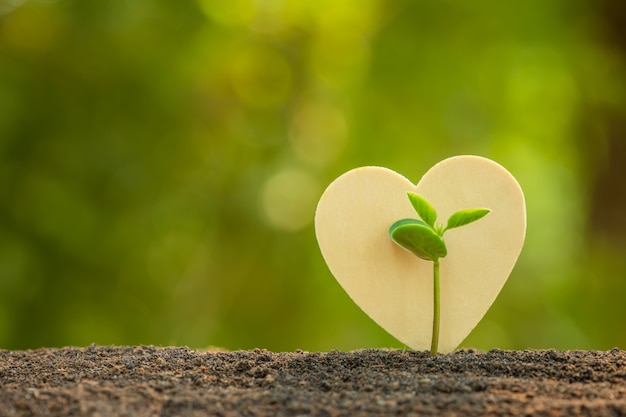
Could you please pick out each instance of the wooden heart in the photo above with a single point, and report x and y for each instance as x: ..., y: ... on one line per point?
x: 394, y: 287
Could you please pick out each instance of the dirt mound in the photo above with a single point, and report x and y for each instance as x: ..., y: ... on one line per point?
x: 147, y: 381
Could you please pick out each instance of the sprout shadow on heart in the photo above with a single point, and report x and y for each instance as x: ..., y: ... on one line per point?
x: 424, y: 239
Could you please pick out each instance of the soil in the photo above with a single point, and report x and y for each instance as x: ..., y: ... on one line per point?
x: 155, y: 381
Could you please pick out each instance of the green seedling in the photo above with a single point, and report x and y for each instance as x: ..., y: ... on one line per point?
x: 424, y: 239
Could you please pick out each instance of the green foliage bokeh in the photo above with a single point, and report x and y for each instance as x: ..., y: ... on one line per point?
x: 160, y: 162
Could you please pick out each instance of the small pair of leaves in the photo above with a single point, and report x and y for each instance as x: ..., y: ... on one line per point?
x: 418, y: 238
x: 429, y: 215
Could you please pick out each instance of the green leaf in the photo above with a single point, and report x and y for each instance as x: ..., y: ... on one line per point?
x: 425, y: 210
x: 463, y: 217
x: 418, y: 238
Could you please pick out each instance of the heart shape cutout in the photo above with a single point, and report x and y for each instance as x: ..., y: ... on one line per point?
x: 394, y: 287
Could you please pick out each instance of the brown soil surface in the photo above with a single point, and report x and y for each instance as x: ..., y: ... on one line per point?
x: 153, y: 381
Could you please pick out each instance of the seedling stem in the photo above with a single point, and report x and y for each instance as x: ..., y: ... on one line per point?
x: 436, y: 309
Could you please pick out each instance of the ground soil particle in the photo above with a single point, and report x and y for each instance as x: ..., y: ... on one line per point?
x: 154, y: 381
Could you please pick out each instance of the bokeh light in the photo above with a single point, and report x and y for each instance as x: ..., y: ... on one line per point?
x: 288, y: 199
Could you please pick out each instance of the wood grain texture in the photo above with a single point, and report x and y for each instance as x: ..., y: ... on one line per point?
x: 394, y: 287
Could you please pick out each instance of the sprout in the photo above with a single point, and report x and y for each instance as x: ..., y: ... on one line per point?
x: 424, y: 239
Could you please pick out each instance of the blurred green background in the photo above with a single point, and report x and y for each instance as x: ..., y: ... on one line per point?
x: 160, y: 162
